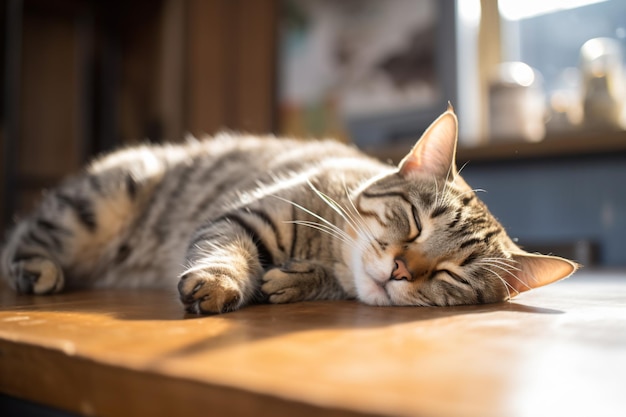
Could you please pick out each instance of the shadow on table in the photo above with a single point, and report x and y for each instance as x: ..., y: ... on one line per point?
x: 251, y: 323
x: 268, y: 321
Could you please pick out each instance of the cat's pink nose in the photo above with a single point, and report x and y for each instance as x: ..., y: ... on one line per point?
x: 400, y: 271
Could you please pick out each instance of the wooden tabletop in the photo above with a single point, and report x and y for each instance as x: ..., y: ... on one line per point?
x: 555, y: 351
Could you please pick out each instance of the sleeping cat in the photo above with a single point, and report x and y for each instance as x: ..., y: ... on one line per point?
x: 235, y: 220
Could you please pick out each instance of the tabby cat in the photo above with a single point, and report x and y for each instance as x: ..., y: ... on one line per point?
x: 236, y: 219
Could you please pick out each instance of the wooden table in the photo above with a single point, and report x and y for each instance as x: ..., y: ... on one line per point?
x: 556, y: 351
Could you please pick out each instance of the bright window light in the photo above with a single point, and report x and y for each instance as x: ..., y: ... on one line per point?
x: 517, y: 10
x: 469, y: 11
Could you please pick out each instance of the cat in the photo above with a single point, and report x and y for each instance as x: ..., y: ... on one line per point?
x: 235, y: 219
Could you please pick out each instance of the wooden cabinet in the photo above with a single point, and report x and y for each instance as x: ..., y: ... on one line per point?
x: 83, y: 76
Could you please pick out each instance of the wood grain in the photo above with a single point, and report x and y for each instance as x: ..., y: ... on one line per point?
x: 558, y: 350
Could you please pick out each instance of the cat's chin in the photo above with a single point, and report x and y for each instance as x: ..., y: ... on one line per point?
x: 369, y: 289
x: 370, y: 292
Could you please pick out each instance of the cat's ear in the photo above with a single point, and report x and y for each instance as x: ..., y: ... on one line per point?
x: 533, y: 271
x: 435, y: 152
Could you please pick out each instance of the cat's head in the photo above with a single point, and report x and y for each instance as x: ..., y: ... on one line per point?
x: 425, y: 238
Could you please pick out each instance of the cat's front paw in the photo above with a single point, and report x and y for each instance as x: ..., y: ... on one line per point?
x: 36, y: 275
x: 204, y: 292
x: 282, y: 286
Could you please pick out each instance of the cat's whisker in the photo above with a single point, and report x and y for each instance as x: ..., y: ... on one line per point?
x: 487, y: 261
x: 507, y: 267
x: 317, y: 216
x: 511, y: 260
x: 335, y: 232
x: 343, y: 212
x: 440, y: 195
x: 363, y: 227
x: 498, y: 266
x: 446, y: 194
x: 527, y: 273
x: 436, y: 191
x: 359, y: 220
x: 462, y: 168
x: 326, y: 229
x: 506, y: 284
x: 504, y: 262
x: 460, y: 195
x: 458, y: 173
x: 515, y: 277
x: 328, y: 224
x: 333, y: 205
x: 450, y: 168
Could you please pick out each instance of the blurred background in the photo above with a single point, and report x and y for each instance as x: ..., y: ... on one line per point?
x: 539, y: 88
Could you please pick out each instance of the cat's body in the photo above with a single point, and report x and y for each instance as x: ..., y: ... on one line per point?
x: 239, y: 219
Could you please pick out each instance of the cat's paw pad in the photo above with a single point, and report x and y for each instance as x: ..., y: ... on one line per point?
x: 37, y: 275
x: 204, y: 292
x: 281, y: 287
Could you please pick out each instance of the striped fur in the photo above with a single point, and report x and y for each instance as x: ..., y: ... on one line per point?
x: 234, y: 220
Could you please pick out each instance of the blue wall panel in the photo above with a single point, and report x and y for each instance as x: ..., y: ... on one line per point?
x: 559, y: 201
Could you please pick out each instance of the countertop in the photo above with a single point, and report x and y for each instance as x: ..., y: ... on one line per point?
x: 559, y: 350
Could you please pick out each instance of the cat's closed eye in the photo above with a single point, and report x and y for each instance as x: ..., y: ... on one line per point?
x: 418, y: 225
x: 448, y: 273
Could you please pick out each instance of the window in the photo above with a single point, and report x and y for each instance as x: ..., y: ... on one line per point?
x: 577, y: 47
